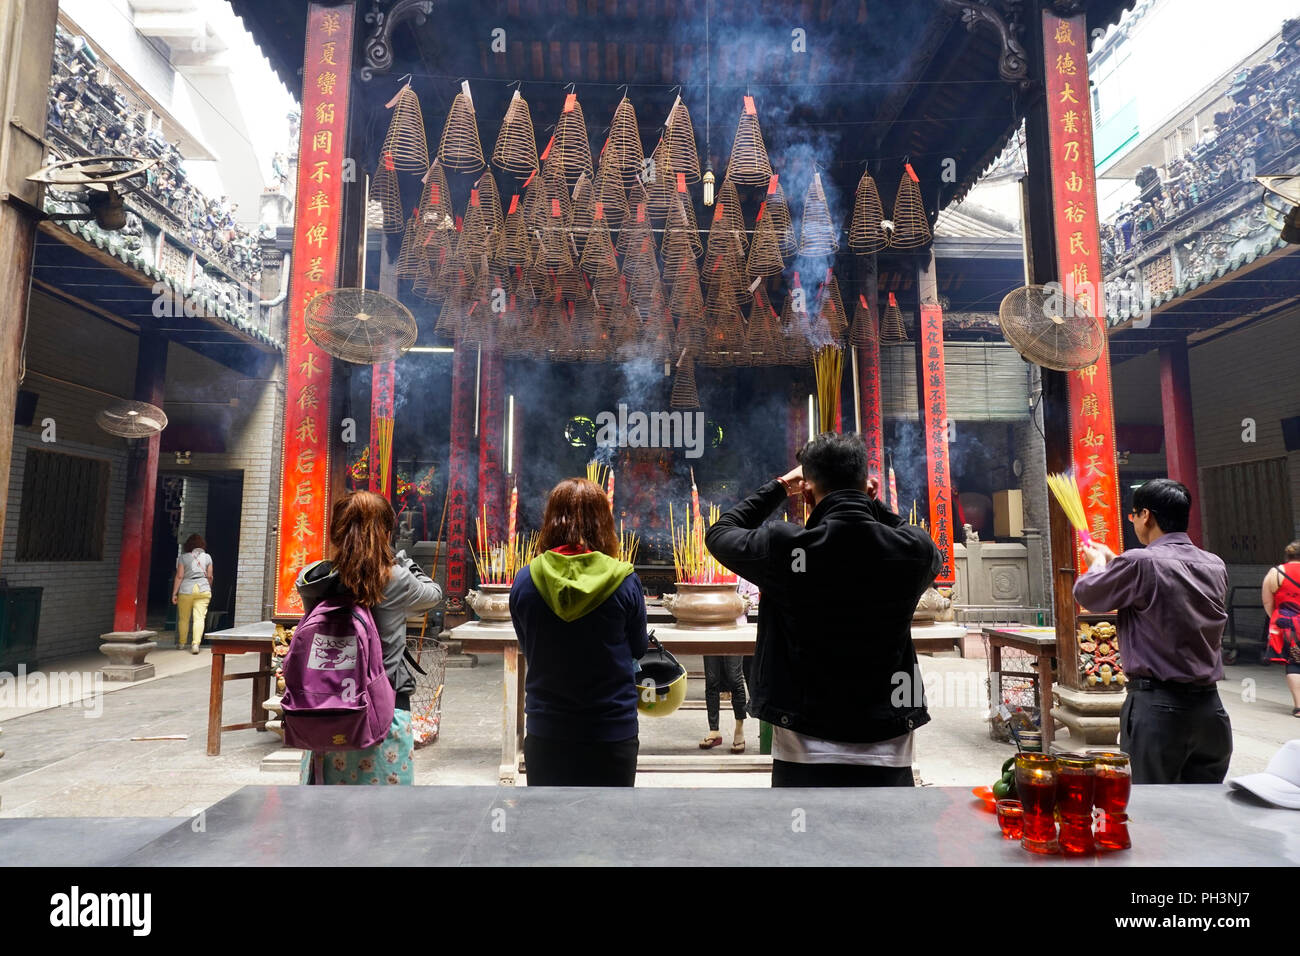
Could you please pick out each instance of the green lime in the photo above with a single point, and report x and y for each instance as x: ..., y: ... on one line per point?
x: 1000, y: 790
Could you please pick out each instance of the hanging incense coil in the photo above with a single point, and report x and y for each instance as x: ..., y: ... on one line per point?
x: 515, y: 151
x: 583, y: 210
x: 598, y: 257
x: 405, y: 140
x: 490, y: 199
x: 623, y: 148
x: 385, y: 189
x: 569, y: 148
x: 423, y: 286
x: 636, y: 237
x: 608, y: 290
x: 911, y: 225
x: 554, y: 252
x: 764, y: 252
x: 680, y: 228
x: 645, y: 288
x: 409, y: 259
x: 685, y: 394
x: 611, y: 193
x: 679, y: 137
x: 795, y: 327
x: 661, y: 187
x: 817, y: 232
x: 892, y: 331
x: 764, y: 341
x: 624, y: 333
x: 830, y: 310
x: 782, y: 224
x: 473, y: 232
x: 863, y: 332
x: 514, y: 240
x: 724, y: 334
x: 658, y: 338
x: 552, y: 194
x: 728, y: 208
x: 460, y: 149
x: 687, y: 296
x: 748, y: 164
x: 866, y: 235
x: 436, y: 214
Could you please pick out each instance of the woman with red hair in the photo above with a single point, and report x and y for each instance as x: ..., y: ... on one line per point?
x: 579, y: 614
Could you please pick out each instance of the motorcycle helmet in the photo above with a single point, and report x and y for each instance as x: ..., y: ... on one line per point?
x: 661, y: 682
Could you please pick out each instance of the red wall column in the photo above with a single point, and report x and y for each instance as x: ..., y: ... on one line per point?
x: 1180, y: 436
x: 131, y: 607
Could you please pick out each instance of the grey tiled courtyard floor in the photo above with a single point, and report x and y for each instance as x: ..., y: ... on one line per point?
x: 63, y: 761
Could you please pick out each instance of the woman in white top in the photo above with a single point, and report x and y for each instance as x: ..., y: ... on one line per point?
x: 192, y: 591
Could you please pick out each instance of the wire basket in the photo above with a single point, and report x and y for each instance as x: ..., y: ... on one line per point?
x: 426, y: 700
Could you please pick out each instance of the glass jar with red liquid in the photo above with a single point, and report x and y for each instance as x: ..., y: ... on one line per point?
x: 1112, y: 785
x: 1010, y: 819
x: 1075, y: 779
x: 1036, y: 787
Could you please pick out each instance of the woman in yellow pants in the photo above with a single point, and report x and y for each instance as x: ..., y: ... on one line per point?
x: 192, y: 591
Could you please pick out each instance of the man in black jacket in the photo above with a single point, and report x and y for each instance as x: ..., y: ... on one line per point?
x: 834, y: 669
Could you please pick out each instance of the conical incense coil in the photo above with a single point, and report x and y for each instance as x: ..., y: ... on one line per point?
x: 779, y: 210
x: 748, y: 164
x: 405, y: 141
x: 423, y: 286
x: 865, y: 233
x: 728, y: 208
x: 764, y: 253
x: 408, y: 259
x: 658, y: 338
x: 863, y: 332
x: 598, y: 257
x: 490, y: 199
x: 551, y: 207
x: 685, y: 394
x: 625, y: 330
x: 473, y: 231
x: 817, y: 232
x: 911, y: 225
x: 514, y: 242
x: 515, y: 151
x: 681, y: 225
x: 891, y: 324
x: 662, y: 187
x: 385, y: 190
x: 724, y: 335
x: 459, y: 148
x: 435, y: 203
x: 451, y: 316
x: 687, y: 297
x: 623, y: 148
x: 764, y: 341
x: 830, y: 309
x: 678, y: 251
x: 609, y: 290
x: 796, y: 325
x: 611, y: 193
x: 680, y: 140
x: 554, y: 252
x: 644, y: 287
x: 636, y: 237
x: 583, y: 210
x: 569, y: 148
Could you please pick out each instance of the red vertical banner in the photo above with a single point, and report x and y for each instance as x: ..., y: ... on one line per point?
x: 382, y: 382
x: 318, y: 208
x: 460, y: 522
x: 869, y: 399
x: 935, y: 394
x: 491, y: 445
x: 1078, y: 259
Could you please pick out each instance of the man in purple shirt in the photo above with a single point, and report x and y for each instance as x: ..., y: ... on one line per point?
x: 1170, y: 597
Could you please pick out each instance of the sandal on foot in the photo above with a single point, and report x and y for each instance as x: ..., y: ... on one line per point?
x: 1295, y: 712
x: 709, y: 742
x: 737, y: 746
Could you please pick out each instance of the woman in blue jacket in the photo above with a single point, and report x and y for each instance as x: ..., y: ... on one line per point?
x: 579, y: 614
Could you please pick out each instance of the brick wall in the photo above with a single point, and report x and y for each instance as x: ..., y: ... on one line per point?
x: 194, y: 509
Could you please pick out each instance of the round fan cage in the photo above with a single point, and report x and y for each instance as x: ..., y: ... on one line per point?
x: 360, y: 326
x: 1050, y: 328
x: 132, y: 419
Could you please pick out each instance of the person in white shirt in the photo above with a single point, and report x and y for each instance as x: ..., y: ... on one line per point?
x: 192, y: 591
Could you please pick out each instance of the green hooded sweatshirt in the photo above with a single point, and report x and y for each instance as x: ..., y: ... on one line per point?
x: 574, y: 585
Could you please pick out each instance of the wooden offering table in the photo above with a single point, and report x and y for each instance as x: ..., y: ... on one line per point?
x: 1039, y: 642
x: 245, y: 639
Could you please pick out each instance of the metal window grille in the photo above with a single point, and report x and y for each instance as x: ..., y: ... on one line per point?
x: 62, y: 515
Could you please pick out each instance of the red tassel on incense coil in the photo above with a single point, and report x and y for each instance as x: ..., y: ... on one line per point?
x: 863, y: 332
x: 623, y: 148
x: 515, y: 151
x: 865, y: 233
x: 817, y: 232
x: 680, y: 140
x: 570, y: 149
x: 748, y: 164
x: 911, y: 225
x: 764, y: 341
x: 891, y: 324
x: 460, y: 149
x: 405, y: 141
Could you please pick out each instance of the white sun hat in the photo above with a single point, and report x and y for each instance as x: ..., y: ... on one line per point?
x: 1279, y: 784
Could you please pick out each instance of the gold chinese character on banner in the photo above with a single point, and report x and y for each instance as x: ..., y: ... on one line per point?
x: 1069, y: 122
x: 1064, y: 34
x: 1093, y: 465
x: 304, y: 492
x: 323, y: 141
x: 1074, y: 211
x: 317, y: 234
x: 1074, y: 182
x: 327, y: 53
x: 1088, y: 372
x: 1097, y: 496
x: 1092, y: 439
x: 298, y: 557
x: 308, y: 398
x: 1068, y: 95
x: 306, y: 430
x: 325, y: 113
x: 1071, y: 151
x: 1065, y: 64
x: 329, y: 22
x: 1100, y: 529
x: 295, y: 599
x: 306, y: 463
x: 302, y: 529
x: 319, y: 202
x: 315, y: 269
x: 1079, y: 273
x: 1076, y: 244
x: 1091, y: 406
x: 308, y: 366
x: 319, y: 173
x: 325, y: 82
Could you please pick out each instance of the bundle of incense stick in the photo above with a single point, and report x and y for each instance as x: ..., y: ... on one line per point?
x: 497, y: 562
x: 385, y: 429
x: 691, y: 559
x: 598, y: 473
x: 1066, y: 492
x: 628, y: 544
x: 828, y: 364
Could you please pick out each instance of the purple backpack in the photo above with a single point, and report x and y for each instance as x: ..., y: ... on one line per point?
x: 337, y: 695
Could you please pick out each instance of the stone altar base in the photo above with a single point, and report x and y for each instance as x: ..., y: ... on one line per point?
x: 1091, y: 716
x: 940, y: 636
x: 126, y: 651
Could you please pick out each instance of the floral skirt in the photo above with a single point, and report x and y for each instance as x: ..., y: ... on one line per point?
x: 391, y: 761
